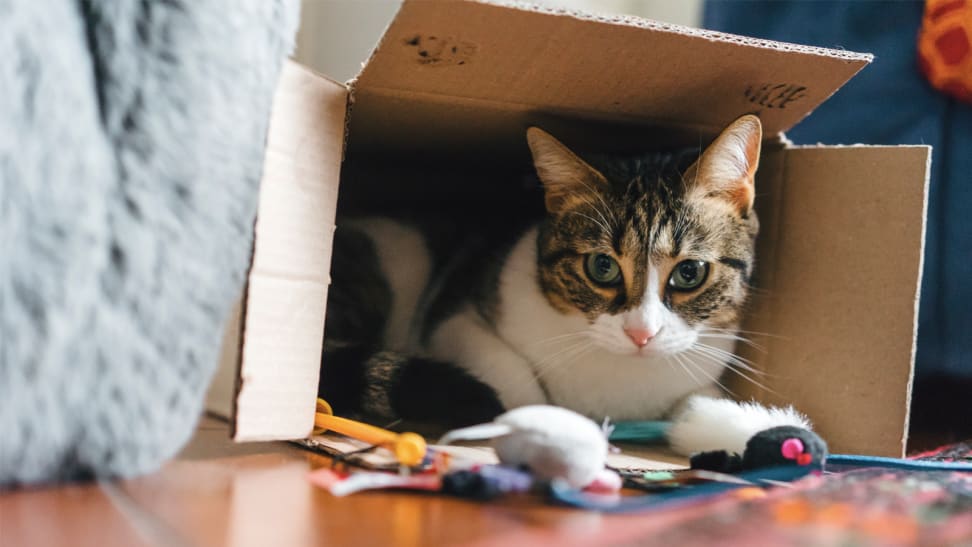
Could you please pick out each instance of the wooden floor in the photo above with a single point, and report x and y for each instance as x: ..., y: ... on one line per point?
x: 219, y: 493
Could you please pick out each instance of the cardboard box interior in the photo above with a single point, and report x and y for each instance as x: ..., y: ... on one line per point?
x: 437, y: 119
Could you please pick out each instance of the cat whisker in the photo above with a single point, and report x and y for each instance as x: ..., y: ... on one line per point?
x: 551, y: 360
x: 714, y: 380
x: 557, y: 351
x: 732, y: 368
x: 681, y: 363
x: 720, y: 336
x: 559, y: 337
x: 600, y: 224
x: 586, y: 198
x: 561, y: 358
x: 742, y: 370
x: 601, y: 213
x: 747, y: 332
x: 729, y: 356
x: 726, y: 335
x: 598, y: 195
x: 726, y: 366
x: 757, y: 290
x: 563, y: 361
x: 729, y: 360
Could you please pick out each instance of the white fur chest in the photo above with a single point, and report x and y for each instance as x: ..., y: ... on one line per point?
x: 600, y: 384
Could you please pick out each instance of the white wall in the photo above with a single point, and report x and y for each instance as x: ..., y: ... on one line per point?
x: 336, y: 36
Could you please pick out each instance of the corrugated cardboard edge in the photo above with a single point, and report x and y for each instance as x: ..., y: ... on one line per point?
x: 434, y: 86
x: 284, y: 305
x: 649, y: 24
x: 921, y: 276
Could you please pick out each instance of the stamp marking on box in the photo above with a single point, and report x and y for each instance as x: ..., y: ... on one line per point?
x: 774, y: 95
x: 440, y: 50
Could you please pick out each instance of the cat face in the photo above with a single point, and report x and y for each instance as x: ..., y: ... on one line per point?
x: 651, y: 257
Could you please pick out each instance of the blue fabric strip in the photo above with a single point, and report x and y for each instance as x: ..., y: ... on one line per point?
x: 565, y: 495
x: 562, y: 494
x: 855, y: 461
x: 646, y: 431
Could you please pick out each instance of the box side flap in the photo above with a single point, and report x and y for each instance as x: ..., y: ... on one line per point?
x: 618, y: 68
x: 839, y: 275
x: 287, y: 287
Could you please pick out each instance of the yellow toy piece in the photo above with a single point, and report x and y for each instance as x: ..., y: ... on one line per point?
x: 409, y: 448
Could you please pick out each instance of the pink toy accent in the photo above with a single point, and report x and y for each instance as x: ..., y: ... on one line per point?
x: 606, y: 482
x: 792, y: 448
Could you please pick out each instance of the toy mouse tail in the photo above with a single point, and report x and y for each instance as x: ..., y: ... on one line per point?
x: 476, y: 433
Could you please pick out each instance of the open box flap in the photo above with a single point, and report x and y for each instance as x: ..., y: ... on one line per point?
x: 283, y: 323
x: 484, y: 70
x: 838, y: 277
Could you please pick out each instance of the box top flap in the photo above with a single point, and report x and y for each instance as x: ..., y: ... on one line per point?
x: 283, y: 323
x: 842, y: 232
x: 623, y: 68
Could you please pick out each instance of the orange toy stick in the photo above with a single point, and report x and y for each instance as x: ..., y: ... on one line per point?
x: 409, y: 448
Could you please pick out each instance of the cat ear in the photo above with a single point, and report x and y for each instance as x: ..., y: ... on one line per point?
x: 727, y: 166
x: 565, y: 177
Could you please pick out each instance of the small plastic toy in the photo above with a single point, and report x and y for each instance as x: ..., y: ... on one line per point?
x: 409, y: 448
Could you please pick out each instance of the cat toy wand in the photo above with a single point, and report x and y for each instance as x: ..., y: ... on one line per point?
x: 409, y: 448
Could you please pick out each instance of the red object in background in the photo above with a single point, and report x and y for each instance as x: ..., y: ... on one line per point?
x: 945, y: 47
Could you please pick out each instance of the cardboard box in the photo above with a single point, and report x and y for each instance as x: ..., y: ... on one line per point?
x: 438, y: 114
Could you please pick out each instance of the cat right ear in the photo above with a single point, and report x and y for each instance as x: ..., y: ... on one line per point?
x: 565, y: 176
x: 727, y: 167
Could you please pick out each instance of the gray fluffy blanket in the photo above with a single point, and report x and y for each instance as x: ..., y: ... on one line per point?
x: 131, y: 145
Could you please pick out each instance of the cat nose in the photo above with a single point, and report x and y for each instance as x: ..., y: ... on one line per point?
x: 640, y: 337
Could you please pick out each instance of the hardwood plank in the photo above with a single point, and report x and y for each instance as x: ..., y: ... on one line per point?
x: 212, y: 440
x: 76, y: 514
x: 266, y: 499
x: 217, y: 492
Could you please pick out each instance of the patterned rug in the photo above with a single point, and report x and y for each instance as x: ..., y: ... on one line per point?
x: 959, y: 452
x: 860, y: 507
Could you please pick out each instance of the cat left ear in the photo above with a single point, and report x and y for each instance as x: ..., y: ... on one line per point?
x: 565, y: 176
x: 727, y: 167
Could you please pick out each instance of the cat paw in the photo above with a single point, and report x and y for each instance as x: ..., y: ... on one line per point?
x: 706, y: 424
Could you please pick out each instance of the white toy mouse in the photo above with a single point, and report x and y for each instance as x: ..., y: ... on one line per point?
x: 553, y: 442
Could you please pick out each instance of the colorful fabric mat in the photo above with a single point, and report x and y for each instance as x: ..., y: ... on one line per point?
x: 860, y: 507
x: 863, y: 507
x: 954, y: 453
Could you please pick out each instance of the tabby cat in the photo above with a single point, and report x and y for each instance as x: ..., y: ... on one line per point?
x: 622, y: 302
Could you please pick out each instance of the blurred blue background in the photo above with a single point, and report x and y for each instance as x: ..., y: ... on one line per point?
x: 890, y: 102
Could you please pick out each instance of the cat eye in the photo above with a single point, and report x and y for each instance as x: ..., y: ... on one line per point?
x: 688, y: 275
x: 602, y: 269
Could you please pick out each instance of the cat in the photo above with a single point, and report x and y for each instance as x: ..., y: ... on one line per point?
x: 622, y: 302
